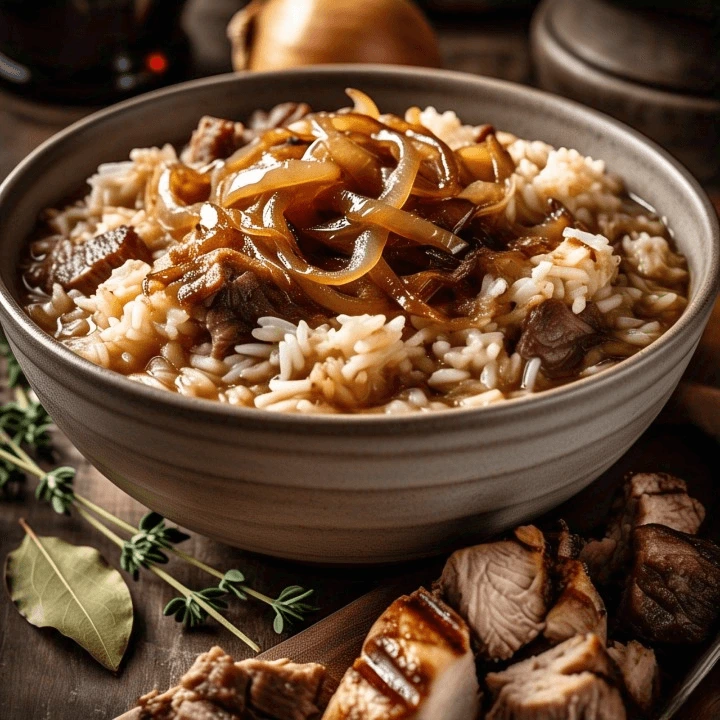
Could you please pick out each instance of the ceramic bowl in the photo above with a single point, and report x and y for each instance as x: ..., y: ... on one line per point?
x: 353, y: 489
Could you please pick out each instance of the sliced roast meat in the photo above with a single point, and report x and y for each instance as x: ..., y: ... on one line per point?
x: 236, y: 308
x: 559, y: 337
x: 672, y: 594
x: 416, y: 663
x: 83, y: 266
x: 579, y: 608
x: 213, y: 139
x: 502, y: 590
x: 645, y: 498
x: 576, y: 679
x: 216, y: 688
x: 640, y: 672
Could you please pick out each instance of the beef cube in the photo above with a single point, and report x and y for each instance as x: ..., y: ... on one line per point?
x: 673, y: 590
x: 213, y: 139
x: 559, y: 337
x: 83, y: 266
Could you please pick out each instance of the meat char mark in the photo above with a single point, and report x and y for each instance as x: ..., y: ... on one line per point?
x: 217, y: 687
x: 502, y: 590
x: 416, y: 664
x: 673, y: 591
x: 83, y: 266
x: 559, y: 337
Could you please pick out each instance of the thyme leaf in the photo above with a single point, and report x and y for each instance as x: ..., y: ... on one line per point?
x: 230, y: 582
x: 187, y: 610
x: 56, y: 488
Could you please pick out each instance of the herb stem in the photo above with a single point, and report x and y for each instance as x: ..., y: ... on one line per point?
x: 15, y: 460
x: 170, y: 580
x: 197, y: 563
x: 216, y: 573
x: 21, y: 455
x: 21, y: 397
x: 105, y: 514
x: 107, y: 532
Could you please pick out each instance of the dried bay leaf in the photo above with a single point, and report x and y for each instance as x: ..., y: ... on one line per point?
x: 72, y: 589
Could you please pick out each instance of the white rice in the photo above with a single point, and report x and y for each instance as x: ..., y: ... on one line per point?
x: 359, y: 361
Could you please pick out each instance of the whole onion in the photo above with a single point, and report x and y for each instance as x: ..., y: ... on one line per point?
x: 276, y: 34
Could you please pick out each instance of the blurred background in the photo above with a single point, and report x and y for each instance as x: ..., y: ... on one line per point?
x: 652, y: 64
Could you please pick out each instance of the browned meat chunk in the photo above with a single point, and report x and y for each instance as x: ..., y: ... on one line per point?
x: 559, y: 337
x: 236, y: 308
x: 579, y: 609
x: 216, y: 688
x: 576, y: 679
x: 645, y: 498
x: 213, y: 139
x: 640, y: 672
x: 281, y: 115
x: 284, y: 690
x: 673, y: 591
x: 416, y: 664
x: 83, y: 266
x: 502, y: 590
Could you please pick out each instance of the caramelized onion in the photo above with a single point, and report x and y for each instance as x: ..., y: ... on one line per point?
x: 406, y: 224
x: 354, y: 212
x: 255, y: 181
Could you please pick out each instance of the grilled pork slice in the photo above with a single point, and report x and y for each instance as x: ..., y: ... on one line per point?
x: 216, y: 688
x: 646, y: 498
x: 673, y: 590
x: 579, y: 608
x: 502, y: 590
x: 640, y: 672
x: 576, y: 679
x: 416, y: 663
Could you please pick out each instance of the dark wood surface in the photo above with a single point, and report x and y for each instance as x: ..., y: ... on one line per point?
x: 45, y: 676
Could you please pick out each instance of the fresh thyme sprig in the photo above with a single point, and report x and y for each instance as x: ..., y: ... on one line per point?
x: 188, y: 610
x: 289, y: 606
x: 26, y: 422
x: 55, y: 487
x: 146, y: 546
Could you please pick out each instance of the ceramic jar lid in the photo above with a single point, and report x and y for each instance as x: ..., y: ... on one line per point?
x: 658, y: 72
x: 666, y: 51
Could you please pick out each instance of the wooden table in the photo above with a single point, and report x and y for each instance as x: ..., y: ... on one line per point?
x: 42, y: 674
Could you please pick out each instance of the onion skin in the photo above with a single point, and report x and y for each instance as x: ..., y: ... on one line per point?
x: 278, y: 34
